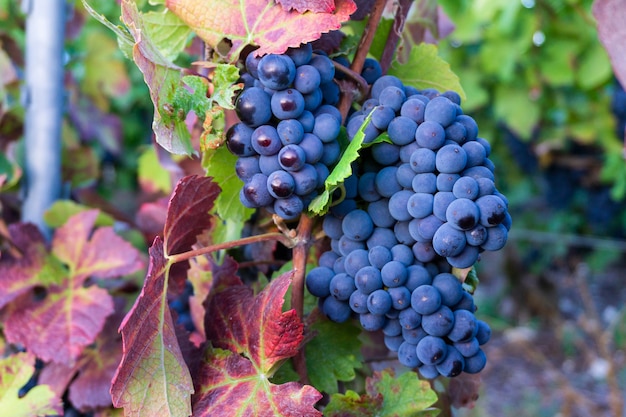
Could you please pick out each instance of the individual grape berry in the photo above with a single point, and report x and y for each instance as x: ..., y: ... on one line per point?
x: 305, y: 179
x: 342, y: 286
x: 394, y: 274
x: 318, y: 281
x: 413, y: 108
x: 465, y: 326
x: 492, y: 210
x: 466, y: 187
x: 398, y: 205
x: 476, y: 363
x: 368, y: 280
x: 453, y: 363
x: 384, y: 82
x: 379, y: 302
x: 326, y: 127
x: 449, y: 287
x: 462, y: 214
x: 407, y: 355
x: 280, y: 184
x: 313, y: 148
x: 256, y: 191
x: 325, y: 66
x: 393, y: 342
x: 382, y: 116
x: 253, y: 107
x: 336, y: 310
x: 357, y: 225
x: 420, y: 205
x: 438, y: 323
x: 409, y: 318
x: 379, y: 256
x: 483, y: 334
x: 468, y: 257
x: 276, y: 71
x: 300, y: 55
x: 287, y: 104
x: 358, y: 302
x: 426, y: 299
x: 393, y: 97
x: 246, y: 167
x: 307, y: 79
x: 417, y: 275
x: 467, y: 348
x: 496, y: 238
x: 430, y: 135
x: 401, y: 130
x: 292, y: 158
x: 451, y: 159
x: 356, y: 260
x: 400, y: 297
x: 372, y: 322
x: 239, y: 140
x: 431, y: 350
x: 428, y: 371
x: 371, y: 70
x: 290, y: 131
x: 265, y: 140
x: 252, y: 62
x: 440, y: 110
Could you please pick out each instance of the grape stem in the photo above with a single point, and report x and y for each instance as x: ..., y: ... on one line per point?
x: 280, y: 237
x: 300, y: 255
x: 394, y: 35
x: 361, y: 53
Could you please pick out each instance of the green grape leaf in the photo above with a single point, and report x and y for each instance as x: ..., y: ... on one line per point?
x: 386, y: 395
x: 15, y: 371
x: 61, y: 210
x: 224, y: 78
x: 340, y: 172
x: 327, y: 366
x: 257, y: 22
x: 516, y: 108
x: 163, y: 79
x: 425, y: 69
x: 124, y: 39
x: 220, y: 164
x: 167, y: 31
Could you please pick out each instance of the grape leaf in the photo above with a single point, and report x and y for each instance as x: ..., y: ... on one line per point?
x: 19, y: 274
x: 341, y: 171
x: 15, y: 371
x: 257, y: 22
x: 220, y: 164
x: 70, y: 316
x: 252, y: 336
x: 301, y: 6
x: 153, y: 378
x: 327, y: 366
x: 151, y: 175
x: 167, y: 31
x: 611, y: 15
x: 162, y: 78
x: 61, y: 210
x: 386, y: 395
x: 425, y: 69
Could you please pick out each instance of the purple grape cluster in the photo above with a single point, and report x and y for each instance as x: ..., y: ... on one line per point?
x: 287, y: 138
x: 414, y: 208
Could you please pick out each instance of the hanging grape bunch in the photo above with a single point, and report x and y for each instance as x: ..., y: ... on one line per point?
x: 287, y: 138
x: 416, y: 206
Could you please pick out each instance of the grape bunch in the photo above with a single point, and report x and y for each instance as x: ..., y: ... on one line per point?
x: 287, y: 138
x: 414, y: 208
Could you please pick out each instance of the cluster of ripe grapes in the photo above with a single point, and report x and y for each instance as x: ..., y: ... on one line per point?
x: 417, y: 205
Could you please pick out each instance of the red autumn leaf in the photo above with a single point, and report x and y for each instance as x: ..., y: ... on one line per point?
x: 20, y: 274
x: 89, y: 380
x: 301, y: 6
x: 58, y: 326
x: 188, y: 212
x: 253, y: 335
x: 611, y: 16
x: 104, y: 255
x: 152, y: 378
x: 257, y: 22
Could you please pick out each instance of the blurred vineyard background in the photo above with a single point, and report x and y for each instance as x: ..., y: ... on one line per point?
x: 541, y: 88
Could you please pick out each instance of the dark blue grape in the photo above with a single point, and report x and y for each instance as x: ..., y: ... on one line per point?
x: 356, y: 260
x: 409, y: 318
x: 276, y: 71
x: 440, y: 110
x: 394, y: 274
x: 318, y: 281
x: 330, y: 92
x: 466, y: 187
x: 331, y: 153
x: 492, y: 210
x: 347, y: 245
x: 371, y: 70
x: 441, y: 201
x: 327, y: 259
x: 402, y: 254
x: 372, y: 322
x: 358, y: 302
x: 292, y: 158
x: 357, y: 225
x: 464, y: 328
x: 280, y: 184
x: 336, y: 310
x: 256, y: 191
x: 496, y: 238
x: 467, y: 348
x: 438, y: 323
x: 425, y: 299
x: 300, y: 55
x: 253, y: 107
x: 475, y: 364
x: 382, y: 116
x: 325, y: 67
x: 392, y: 328
x: 313, y: 100
x: 424, y: 183
x: 269, y: 164
x: 420, y: 205
x: 287, y: 104
x: 368, y: 279
x: 462, y: 214
x: 386, y: 181
x: 354, y: 125
x: 290, y: 131
x: 252, y: 62
x: 450, y: 159
x: 445, y: 182
x: 430, y: 135
x: 405, y: 175
x: 239, y: 140
x: 246, y: 167
x: 339, y: 265
x: 456, y: 132
x: 384, y: 82
x: 378, y: 256
x: 448, y: 241
x: 453, y: 96
x: 428, y: 226
x: 393, y: 342
x: 403, y: 233
x: 424, y: 251
x: 383, y: 237
x: 476, y: 154
x: 401, y: 130
x: 379, y: 212
x: 332, y: 227
x: 265, y: 140
x: 407, y: 355
x: 453, y: 363
x: 307, y: 120
x: 413, y: 108
x: 468, y: 257
x: 431, y: 350
x: 423, y: 161
x: 478, y: 172
x: 305, y: 179
x: 398, y: 204
x: 400, y: 298
x: 307, y: 79
x: 326, y: 127
x: 379, y: 302
x: 313, y: 148
x: 483, y: 334
x: 417, y: 275
x: 342, y: 286
x: 385, y: 153
x: 428, y: 371
x: 393, y: 97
